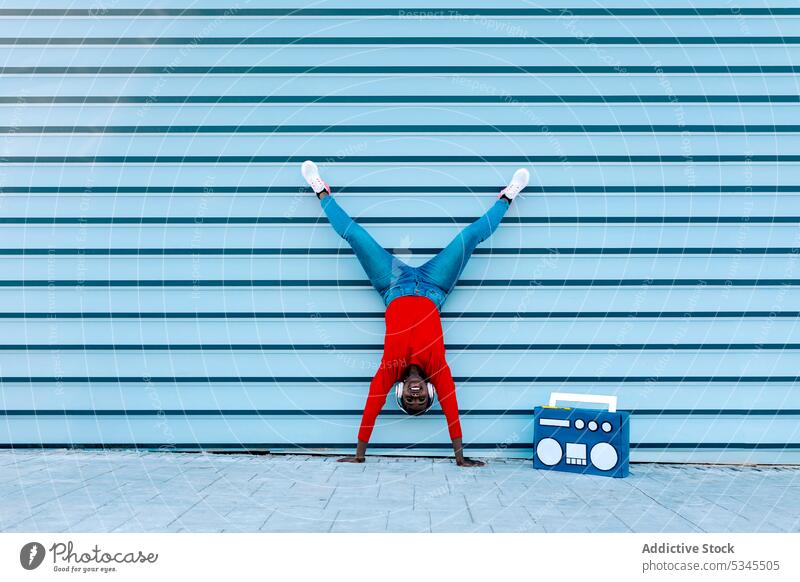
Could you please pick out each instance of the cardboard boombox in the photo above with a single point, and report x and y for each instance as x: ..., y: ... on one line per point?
x: 581, y: 440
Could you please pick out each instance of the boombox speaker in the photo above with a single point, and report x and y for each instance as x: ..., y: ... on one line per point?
x: 581, y: 440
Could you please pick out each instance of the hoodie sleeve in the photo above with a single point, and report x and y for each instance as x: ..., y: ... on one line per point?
x: 442, y: 379
x: 379, y: 387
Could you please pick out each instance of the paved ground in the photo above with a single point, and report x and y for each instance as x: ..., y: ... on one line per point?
x: 56, y: 491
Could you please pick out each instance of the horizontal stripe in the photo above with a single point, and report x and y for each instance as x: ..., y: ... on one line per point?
x: 405, y: 128
x: 396, y: 159
x: 380, y: 314
x: 101, y: 11
x: 404, y: 70
x: 328, y: 445
x: 311, y: 99
x: 379, y: 347
x: 614, y: 251
x: 367, y: 379
x: 287, y: 220
x: 365, y: 283
x: 394, y: 40
x: 391, y: 189
x: 358, y: 412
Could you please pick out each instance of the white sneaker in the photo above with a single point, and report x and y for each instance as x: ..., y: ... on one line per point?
x: 311, y: 174
x: 517, y: 184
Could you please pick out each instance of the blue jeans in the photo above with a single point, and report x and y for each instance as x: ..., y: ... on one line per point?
x: 393, y: 278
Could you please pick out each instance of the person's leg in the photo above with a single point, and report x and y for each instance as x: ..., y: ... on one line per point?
x: 379, y: 264
x: 444, y: 269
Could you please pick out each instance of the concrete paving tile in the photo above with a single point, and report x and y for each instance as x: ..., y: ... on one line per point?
x: 133, y: 527
x: 96, y: 525
x: 398, y: 490
x: 442, y: 517
x: 43, y: 524
x: 340, y: 478
x: 360, y: 521
x: 6, y: 523
x: 303, y: 512
x: 144, y: 523
x: 454, y: 503
x: 242, y: 517
x: 311, y: 490
x: 29, y: 528
x: 480, y: 488
x: 662, y: 523
x: 406, y: 521
x: 516, y: 520
x: 299, y: 520
x: 319, y: 526
x: 445, y: 522
x: 522, y: 527
x: 200, y: 526
x: 546, y: 516
x: 478, y: 528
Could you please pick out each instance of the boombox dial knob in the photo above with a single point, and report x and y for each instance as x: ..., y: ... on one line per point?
x: 549, y: 451
x: 604, y: 456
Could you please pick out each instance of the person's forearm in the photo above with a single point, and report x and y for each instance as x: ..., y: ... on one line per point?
x: 458, y: 450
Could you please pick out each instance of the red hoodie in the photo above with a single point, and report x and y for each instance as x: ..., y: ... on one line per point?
x: 413, y: 336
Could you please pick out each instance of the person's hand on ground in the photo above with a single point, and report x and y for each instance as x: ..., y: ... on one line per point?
x: 351, y: 460
x: 461, y: 460
x: 465, y: 462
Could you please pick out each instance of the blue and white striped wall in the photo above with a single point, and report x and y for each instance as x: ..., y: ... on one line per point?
x: 166, y: 281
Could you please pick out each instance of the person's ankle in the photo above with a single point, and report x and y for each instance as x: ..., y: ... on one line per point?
x: 506, y: 198
x: 322, y: 194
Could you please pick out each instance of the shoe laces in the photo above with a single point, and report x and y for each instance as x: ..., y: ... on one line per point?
x: 318, y: 185
x: 512, y: 188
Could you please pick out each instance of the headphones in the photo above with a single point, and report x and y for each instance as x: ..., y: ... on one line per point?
x: 398, y: 394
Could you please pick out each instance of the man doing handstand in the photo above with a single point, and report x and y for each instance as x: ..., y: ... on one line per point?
x: 413, y: 362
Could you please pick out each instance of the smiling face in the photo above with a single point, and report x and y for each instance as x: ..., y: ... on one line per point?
x: 415, y: 392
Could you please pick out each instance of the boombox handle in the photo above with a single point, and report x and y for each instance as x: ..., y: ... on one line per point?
x: 610, y: 401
